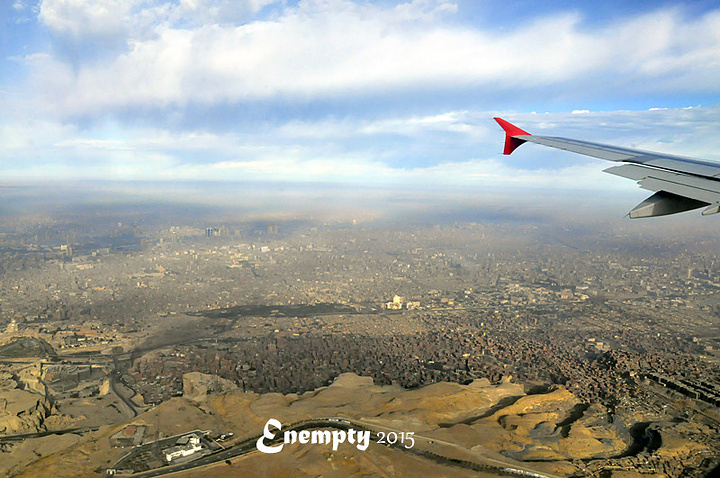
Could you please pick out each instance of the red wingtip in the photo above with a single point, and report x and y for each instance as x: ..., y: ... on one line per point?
x: 511, y: 130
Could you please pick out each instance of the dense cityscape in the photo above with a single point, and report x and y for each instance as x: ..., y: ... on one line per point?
x: 629, y: 322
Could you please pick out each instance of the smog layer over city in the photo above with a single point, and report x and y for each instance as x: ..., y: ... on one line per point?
x: 280, y: 238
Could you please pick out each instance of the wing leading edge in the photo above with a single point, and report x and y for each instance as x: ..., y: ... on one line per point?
x: 680, y: 184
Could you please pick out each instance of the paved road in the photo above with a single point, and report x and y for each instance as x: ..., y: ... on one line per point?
x: 249, y: 446
x: 25, y: 436
x: 490, y: 464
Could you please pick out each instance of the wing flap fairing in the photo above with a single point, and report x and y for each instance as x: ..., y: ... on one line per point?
x: 712, y: 209
x: 663, y: 203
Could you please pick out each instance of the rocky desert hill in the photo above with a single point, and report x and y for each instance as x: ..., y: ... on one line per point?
x: 552, y: 433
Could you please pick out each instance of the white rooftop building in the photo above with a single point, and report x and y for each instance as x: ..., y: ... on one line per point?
x: 186, y: 445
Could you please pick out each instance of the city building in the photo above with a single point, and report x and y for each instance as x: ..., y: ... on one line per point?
x: 186, y: 445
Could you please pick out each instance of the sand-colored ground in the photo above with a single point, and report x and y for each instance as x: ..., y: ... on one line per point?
x: 478, y: 422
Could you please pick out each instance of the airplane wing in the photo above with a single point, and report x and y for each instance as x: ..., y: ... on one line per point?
x: 680, y: 184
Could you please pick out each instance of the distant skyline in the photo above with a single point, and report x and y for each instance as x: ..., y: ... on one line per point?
x: 370, y: 93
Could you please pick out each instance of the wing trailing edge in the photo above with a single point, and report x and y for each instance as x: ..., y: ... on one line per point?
x: 680, y: 184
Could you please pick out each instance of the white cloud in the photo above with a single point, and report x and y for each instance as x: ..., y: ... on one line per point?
x: 97, y: 117
x: 90, y: 18
x: 86, y: 19
x: 462, y: 122
x: 478, y: 173
x: 463, y: 147
x: 218, y: 11
x: 180, y: 54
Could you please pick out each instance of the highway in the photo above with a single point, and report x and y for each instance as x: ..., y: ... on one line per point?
x: 248, y: 446
x: 115, y: 377
x: 25, y: 436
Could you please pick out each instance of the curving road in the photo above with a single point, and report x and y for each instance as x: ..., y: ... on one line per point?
x: 248, y: 446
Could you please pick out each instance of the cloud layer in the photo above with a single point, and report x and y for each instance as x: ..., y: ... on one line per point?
x: 351, y: 91
x: 120, y: 55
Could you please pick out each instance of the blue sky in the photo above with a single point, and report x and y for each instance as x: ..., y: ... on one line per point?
x: 357, y: 92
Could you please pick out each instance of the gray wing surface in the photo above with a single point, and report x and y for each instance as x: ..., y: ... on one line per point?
x: 680, y: 183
